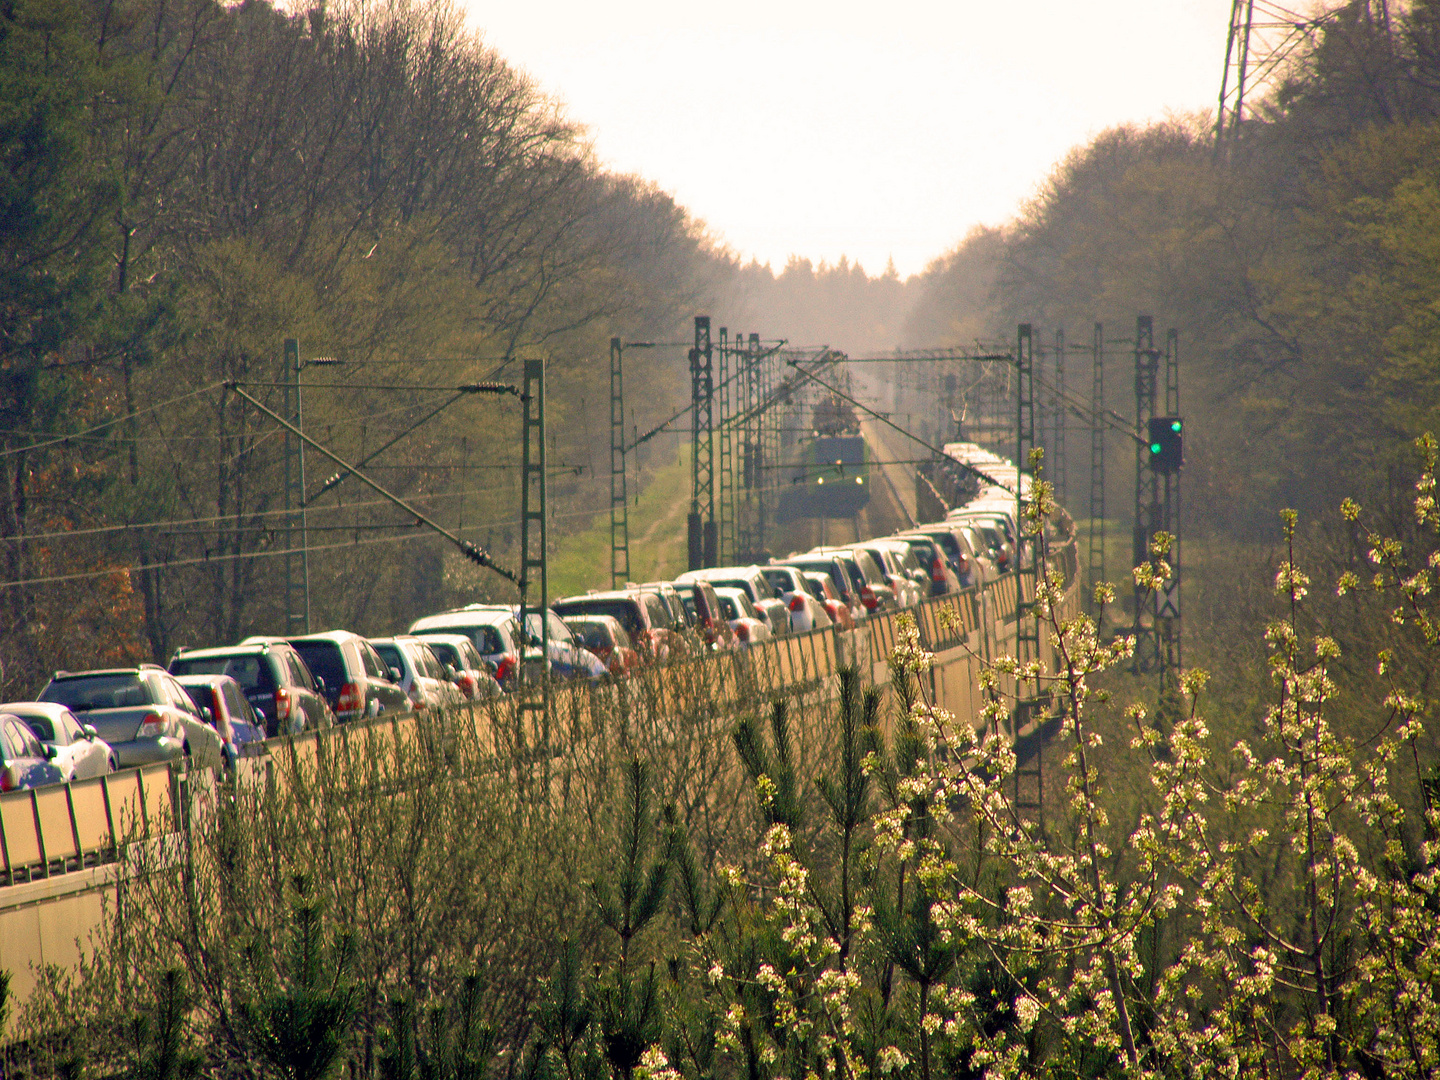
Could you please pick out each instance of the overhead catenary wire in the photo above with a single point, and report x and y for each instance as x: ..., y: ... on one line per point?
x: 243, y: 515
x: 201, y: 560
x: 474, y: 552
x: 110, y: 423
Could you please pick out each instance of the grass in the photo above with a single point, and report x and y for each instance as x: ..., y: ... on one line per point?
x: 657, y: 537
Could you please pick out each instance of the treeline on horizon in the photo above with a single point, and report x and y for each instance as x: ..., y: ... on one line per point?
x: 190, y: 184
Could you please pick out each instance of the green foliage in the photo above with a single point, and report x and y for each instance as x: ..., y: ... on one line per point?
x: 163, y: 1047
x: 772, y: 770
x: 296, y: 1009
x: 451, y: 1043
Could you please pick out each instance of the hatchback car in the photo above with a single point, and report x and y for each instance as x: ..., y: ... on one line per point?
x: 866, y: 578
x: 942, y: 581
x: 568, y: 658
x: 275, y: 679
x: 806, y: 613
x: 752, y: 582
x: 643, y: 615
x: 80, y: 753
x: 494, y: 631
x: 897, y: 575
x: 355, y: 680
x: 233, y: 717
x: 839, y: 577
x: 473, y: 674
x: 606, y: 638
x: 958, y: 550
x: 820, y: 587
x: 703, y: 608
x: 750, y: 625
x: 421, y: 675
x: 24, y: 761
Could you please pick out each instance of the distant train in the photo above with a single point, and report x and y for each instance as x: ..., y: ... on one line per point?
x: 831, y: 479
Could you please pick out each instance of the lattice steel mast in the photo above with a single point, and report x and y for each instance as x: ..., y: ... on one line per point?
x: 619, y: 493
x: 701, y: 522
x: 1096, y: 561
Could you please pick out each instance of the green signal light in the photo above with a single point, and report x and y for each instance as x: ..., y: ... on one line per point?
x: 1154, y: 448
x: 1174, y: 425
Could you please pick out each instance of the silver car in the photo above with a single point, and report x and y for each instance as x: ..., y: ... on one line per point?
x: 133, y: 709
x: 421, y: 675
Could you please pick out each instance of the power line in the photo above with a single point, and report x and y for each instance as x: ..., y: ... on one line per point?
x: 202, y: 560
x: 249, y: 514
x: 112, y: 423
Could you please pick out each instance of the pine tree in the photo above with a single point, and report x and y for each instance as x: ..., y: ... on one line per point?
x: 296, y: 1009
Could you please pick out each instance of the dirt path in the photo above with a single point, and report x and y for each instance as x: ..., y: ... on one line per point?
x: 677, y: 547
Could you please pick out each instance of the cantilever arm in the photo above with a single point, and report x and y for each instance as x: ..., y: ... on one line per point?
x: 473, y: 552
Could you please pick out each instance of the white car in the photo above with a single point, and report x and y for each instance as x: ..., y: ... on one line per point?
x: 736, y: 609
x: 806, y: 613
x: 422, y: 676
x: 80, y: 753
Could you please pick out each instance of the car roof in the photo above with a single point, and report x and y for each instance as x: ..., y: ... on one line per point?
x: 471, y: 616
x: 608, y: 594
x: 253, y: 649
x: 336, y: 636
x: 205, y: 680
x: 596, y: 616
x: 52, y: 709
x: 710, y: 573
x: 61, y: 675
x: 446, y: 639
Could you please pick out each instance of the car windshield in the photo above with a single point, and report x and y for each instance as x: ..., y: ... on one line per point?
x: 622, y: 611
x: 250, y: 671
x: 98, y: 692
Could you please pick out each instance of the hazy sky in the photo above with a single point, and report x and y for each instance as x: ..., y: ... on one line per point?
x: 872, y: 130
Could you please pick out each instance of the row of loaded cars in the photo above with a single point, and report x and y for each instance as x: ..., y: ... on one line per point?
x: 215, y: 705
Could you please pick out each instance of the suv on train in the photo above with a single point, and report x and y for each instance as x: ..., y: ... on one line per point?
x: 355, y: 679
x: 278, y: 685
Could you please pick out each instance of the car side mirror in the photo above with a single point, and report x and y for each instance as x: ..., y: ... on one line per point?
x: 90, y: 731
x: 319, y: 684
x: 207, y: 715
x: 451, y: 673
x: 51, y: 752
x: 395, y: 674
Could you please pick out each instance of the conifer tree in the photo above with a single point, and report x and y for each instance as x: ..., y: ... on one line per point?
x: 296, y: 1009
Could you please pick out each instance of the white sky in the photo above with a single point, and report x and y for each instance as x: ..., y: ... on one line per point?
x: 865, y: 129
